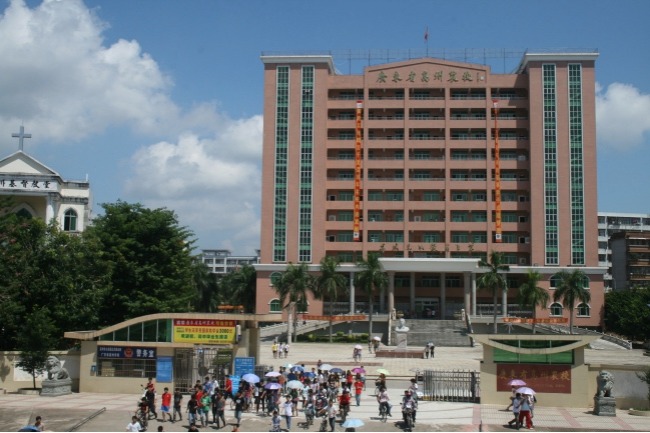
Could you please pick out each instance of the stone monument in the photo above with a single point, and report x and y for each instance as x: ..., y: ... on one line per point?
x: 604, y: 403
x: 401, y: 331
x: 58, y: 380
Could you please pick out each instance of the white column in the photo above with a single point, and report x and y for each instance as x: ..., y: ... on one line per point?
x: 504, y: 302
x: 49, y: 209
x: 473, y: 294
x: 467, y: 291
x: 412, y: 293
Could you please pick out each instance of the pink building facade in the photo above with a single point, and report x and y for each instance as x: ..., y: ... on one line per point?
x: 428, y: 187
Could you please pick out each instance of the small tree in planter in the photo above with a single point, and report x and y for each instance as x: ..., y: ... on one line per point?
x: 34, y: 343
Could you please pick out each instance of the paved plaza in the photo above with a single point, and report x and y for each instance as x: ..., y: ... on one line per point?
x: 62, y: 413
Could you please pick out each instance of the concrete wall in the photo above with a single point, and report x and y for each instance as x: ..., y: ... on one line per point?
x: 580, y: 396
x: 13, y: 378
x: 629, y: 390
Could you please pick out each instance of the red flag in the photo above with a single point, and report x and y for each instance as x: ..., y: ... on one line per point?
x: 426, y: 34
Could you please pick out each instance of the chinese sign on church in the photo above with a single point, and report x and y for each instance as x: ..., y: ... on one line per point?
x: 27, y: 184
x: 541, y: 378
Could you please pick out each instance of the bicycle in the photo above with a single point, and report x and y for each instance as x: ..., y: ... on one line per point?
x: 408, y: 420
x: 323, y: 424
x: 383, y: 412
x: 142, y: 419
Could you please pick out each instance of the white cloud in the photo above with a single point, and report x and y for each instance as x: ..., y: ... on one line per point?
x: 212, y: 184
x: 623, y: 116
x: 60, y: 79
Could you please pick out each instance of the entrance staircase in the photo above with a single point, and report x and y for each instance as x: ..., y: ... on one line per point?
x: 450, y: 333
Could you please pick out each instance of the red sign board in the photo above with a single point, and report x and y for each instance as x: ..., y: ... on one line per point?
x: 555, y: 320
x: 334, y: 318
x: 541, y: 378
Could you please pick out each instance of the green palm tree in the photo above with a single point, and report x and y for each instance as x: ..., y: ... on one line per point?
x: 293, y: 286
x: 571, y: 288
x: 370, y: 279
x: 531, y: 295
x: 493, y: 280
x: 330, y: 283
x: 243, y: 287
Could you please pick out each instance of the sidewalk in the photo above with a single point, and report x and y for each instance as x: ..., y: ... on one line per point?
x: 61, y: 413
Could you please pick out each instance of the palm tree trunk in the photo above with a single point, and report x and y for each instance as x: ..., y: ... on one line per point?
x: 534, y: 317
x: 571, y: 321
x: 331, y: 308
x: 494, y: 313
x: 370, y: 318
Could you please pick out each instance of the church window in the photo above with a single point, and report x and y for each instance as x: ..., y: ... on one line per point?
x: 70, y: 221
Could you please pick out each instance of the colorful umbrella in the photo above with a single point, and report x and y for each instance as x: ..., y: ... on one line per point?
x: 297, y: 368
x: 352, y: 423
x: 295, y: 384
x: 383, y: 371
x: 517, y: 382
x: 326, y: 367
x: 272, y: 385
x: 359, y: 370
x: 272, y: 374
x: 251, y: 378
x: 309, y: 374
x: 337, y: 370
x: 525, y: 391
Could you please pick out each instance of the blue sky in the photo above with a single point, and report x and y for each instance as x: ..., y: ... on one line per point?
x: 160, y: 101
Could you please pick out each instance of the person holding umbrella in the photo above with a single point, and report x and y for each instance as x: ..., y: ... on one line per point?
x: 524, y: 412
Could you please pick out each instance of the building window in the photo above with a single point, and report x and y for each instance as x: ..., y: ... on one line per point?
x: 275, y: 306
x: 556, y: 309
x: 108, y: 367
x: 583, y: 310
x: 70, y: 221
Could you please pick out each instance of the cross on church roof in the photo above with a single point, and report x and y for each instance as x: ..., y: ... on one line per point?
x: 21, y: 136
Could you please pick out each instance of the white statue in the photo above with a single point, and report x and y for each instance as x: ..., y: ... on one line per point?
x: 401, y: 327
x: 400, y: 334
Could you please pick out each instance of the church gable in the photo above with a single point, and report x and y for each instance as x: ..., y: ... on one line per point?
x: 21, y: 163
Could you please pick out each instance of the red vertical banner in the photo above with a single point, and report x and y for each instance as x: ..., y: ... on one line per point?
x: 497, y: 175
x: 357, y: 175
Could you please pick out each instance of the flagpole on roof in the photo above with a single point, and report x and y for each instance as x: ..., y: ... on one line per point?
x: 426, y: 39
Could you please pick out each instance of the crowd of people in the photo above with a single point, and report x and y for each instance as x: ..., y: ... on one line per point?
x: 290, y: 392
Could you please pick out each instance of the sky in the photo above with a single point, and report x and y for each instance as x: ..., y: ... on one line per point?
x: 159, y: 102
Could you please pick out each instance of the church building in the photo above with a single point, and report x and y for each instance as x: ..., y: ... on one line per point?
x: 40, y: 192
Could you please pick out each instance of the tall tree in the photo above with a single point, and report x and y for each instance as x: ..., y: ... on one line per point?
x: 40, y: 263
x: 370, y: 279
x: 293, y: 287
x: 494, y: 280
x: 627, y: 313
x: 330, y: 283
x: 571, y: 288
x: 206, y: 287
x: 242, y: 287
x: 35, y: 341
x: 151, y: 260
x: 531, y: 295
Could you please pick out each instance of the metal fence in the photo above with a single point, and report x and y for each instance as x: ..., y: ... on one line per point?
x: 452, y: 386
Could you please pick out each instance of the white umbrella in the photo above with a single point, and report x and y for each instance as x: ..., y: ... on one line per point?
x: 376, y: 338
x: 358, y: 346
x: 251, y: 378
x: 525, y: 391
x: 352, y: 423
x: 326, y: 367
x: 272, y: 374
x: 295, y: 384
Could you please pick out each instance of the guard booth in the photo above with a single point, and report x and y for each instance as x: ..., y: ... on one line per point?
x: 176, y: 349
